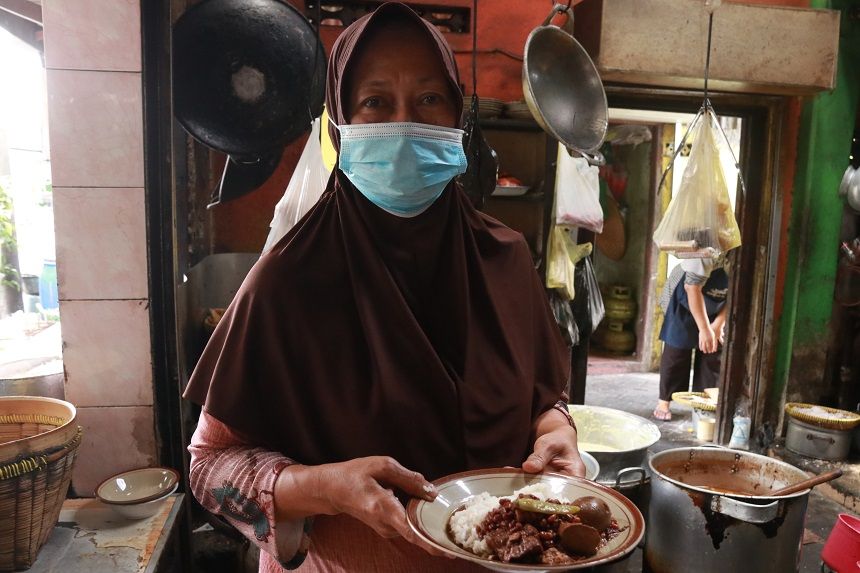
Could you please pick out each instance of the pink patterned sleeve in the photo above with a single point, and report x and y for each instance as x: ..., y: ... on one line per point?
x: 232, y: 478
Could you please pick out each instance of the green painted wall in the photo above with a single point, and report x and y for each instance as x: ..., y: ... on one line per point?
x: 826, y: 127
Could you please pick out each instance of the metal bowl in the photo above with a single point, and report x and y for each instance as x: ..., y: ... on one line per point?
x: 563, y: 89
x: 618, y: 440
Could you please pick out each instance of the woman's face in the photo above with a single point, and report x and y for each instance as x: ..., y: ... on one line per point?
x: 397, y: 75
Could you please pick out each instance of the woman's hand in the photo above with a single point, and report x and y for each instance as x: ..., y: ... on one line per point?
x: 708, y: 342
x: 555, y: 447
x: 363, y: 488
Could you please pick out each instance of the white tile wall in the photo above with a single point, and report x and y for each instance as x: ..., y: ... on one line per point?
x: 95, y: 109
x: 96, y: 128
x: 107, y: 352
x: 92, y: 34
x: 115, y: 439
x: 101, y: 231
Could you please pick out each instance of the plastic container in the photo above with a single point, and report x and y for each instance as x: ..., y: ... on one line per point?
x: 841, y: 551
x: 49, y: 297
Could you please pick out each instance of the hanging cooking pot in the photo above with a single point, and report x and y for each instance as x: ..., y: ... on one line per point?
x: 563, y: 89
x: 248, y: 78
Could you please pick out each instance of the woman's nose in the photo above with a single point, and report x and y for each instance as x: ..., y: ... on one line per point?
x: 405, y: 112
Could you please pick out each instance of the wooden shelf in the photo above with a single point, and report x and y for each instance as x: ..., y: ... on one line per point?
x: 530, y: 197
x: 509, y: 124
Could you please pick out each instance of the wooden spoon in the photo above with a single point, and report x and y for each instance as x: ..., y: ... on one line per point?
x: 807, y: 483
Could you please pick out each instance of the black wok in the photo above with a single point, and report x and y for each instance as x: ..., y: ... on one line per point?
x: 248, y: 75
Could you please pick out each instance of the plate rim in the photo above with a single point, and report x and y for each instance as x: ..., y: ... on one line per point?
x: 414, y: 503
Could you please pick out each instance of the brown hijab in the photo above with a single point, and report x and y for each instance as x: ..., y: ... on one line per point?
x: 427, y: 339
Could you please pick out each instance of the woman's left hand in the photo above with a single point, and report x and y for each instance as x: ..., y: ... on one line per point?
x: 555, y: 450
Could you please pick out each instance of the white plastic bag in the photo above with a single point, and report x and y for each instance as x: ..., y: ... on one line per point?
x: 700, y: 222
x: 577, y: 193
x: 304, y: 189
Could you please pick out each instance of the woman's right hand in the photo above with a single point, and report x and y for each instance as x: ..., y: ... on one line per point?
x: 708, y: 342
x: 362, y: 487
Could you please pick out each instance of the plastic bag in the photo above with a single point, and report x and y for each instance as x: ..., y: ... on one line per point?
x: 562, y: 256
x: 303, y: 191
x: 577, y: 193
x: 700, y: 221
x: 564, y: 318
x: 596, y: 309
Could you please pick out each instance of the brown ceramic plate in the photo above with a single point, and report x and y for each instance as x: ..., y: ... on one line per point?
x: 430, y: 519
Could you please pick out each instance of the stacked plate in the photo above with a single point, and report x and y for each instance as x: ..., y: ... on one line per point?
x: 518, y: 110
x: 490, y: 107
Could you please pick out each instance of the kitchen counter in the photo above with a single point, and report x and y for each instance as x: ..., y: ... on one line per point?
x: 91, y: 538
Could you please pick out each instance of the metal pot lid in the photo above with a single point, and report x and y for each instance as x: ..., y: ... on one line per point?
x: 248, y: 75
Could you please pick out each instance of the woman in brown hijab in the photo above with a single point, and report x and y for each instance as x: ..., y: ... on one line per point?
x: 394, y: 336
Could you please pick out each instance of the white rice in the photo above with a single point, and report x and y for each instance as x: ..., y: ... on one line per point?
x: 464, y: 523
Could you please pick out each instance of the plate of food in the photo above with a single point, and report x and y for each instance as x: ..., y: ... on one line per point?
x: 510, y: 186
x: 510, y: 521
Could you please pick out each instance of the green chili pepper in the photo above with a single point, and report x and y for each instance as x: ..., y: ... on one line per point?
x: 538, y: 506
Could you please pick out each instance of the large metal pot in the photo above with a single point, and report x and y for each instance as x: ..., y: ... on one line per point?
x: 617, y: 439
x: 33, y: 377
x: 710, y: 512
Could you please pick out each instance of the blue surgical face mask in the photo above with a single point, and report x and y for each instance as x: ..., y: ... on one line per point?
x: 401, y: 167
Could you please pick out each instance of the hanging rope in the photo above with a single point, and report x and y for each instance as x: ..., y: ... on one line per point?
x: 474, y: 47
x: 708, y: 56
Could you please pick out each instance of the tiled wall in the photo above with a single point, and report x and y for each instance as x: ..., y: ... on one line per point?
x: 95, y: 110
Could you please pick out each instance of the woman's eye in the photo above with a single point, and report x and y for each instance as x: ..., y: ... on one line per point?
x: 372, y: 102
x: 431, y: 99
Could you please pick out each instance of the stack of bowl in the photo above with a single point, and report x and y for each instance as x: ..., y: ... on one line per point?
x: 137, y: 494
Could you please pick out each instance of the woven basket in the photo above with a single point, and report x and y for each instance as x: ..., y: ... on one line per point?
x: 697, y: 400
x: 830, y: 418
x: 38, y: 446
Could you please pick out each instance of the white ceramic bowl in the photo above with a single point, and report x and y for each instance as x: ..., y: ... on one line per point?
x: 138, y: 493
x: 430, y: 519
x: 592, y: 466
x: 141, y: 510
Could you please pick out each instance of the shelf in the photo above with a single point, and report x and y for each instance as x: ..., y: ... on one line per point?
x: 509, y: 124
x: 530, y: 197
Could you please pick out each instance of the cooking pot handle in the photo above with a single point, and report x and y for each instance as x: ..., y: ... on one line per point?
x: 623, y: 472
x: 748, y: 512
x: 568, y: 22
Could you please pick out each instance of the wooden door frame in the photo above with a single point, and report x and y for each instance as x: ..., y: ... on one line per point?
x: 748, y: 358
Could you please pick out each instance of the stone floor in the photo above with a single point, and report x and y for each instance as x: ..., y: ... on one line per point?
x: 637, y: 393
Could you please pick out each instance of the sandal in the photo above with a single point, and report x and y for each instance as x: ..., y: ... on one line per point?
x: 662, y: 415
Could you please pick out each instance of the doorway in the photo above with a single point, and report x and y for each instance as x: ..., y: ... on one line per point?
x: 640, y: 145
x: 747, y: 360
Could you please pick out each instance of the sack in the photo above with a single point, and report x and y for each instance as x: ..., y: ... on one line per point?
x: 577, y: 193
x: 562, y: 256
x: 303, y: 191
x: 700, y: 222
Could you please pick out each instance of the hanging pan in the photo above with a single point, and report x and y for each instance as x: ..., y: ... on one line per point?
x: 563, y: 89
x: 248, y: 78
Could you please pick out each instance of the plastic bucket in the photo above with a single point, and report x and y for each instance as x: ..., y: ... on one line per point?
x: 841, y: 552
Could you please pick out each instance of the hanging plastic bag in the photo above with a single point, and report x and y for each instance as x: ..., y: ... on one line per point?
x: 562, y: 256
x: 564, y: 318
x: 303, y: 191
x: 596, y: 309
x: 577, y: 193
x: 700, y: 221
